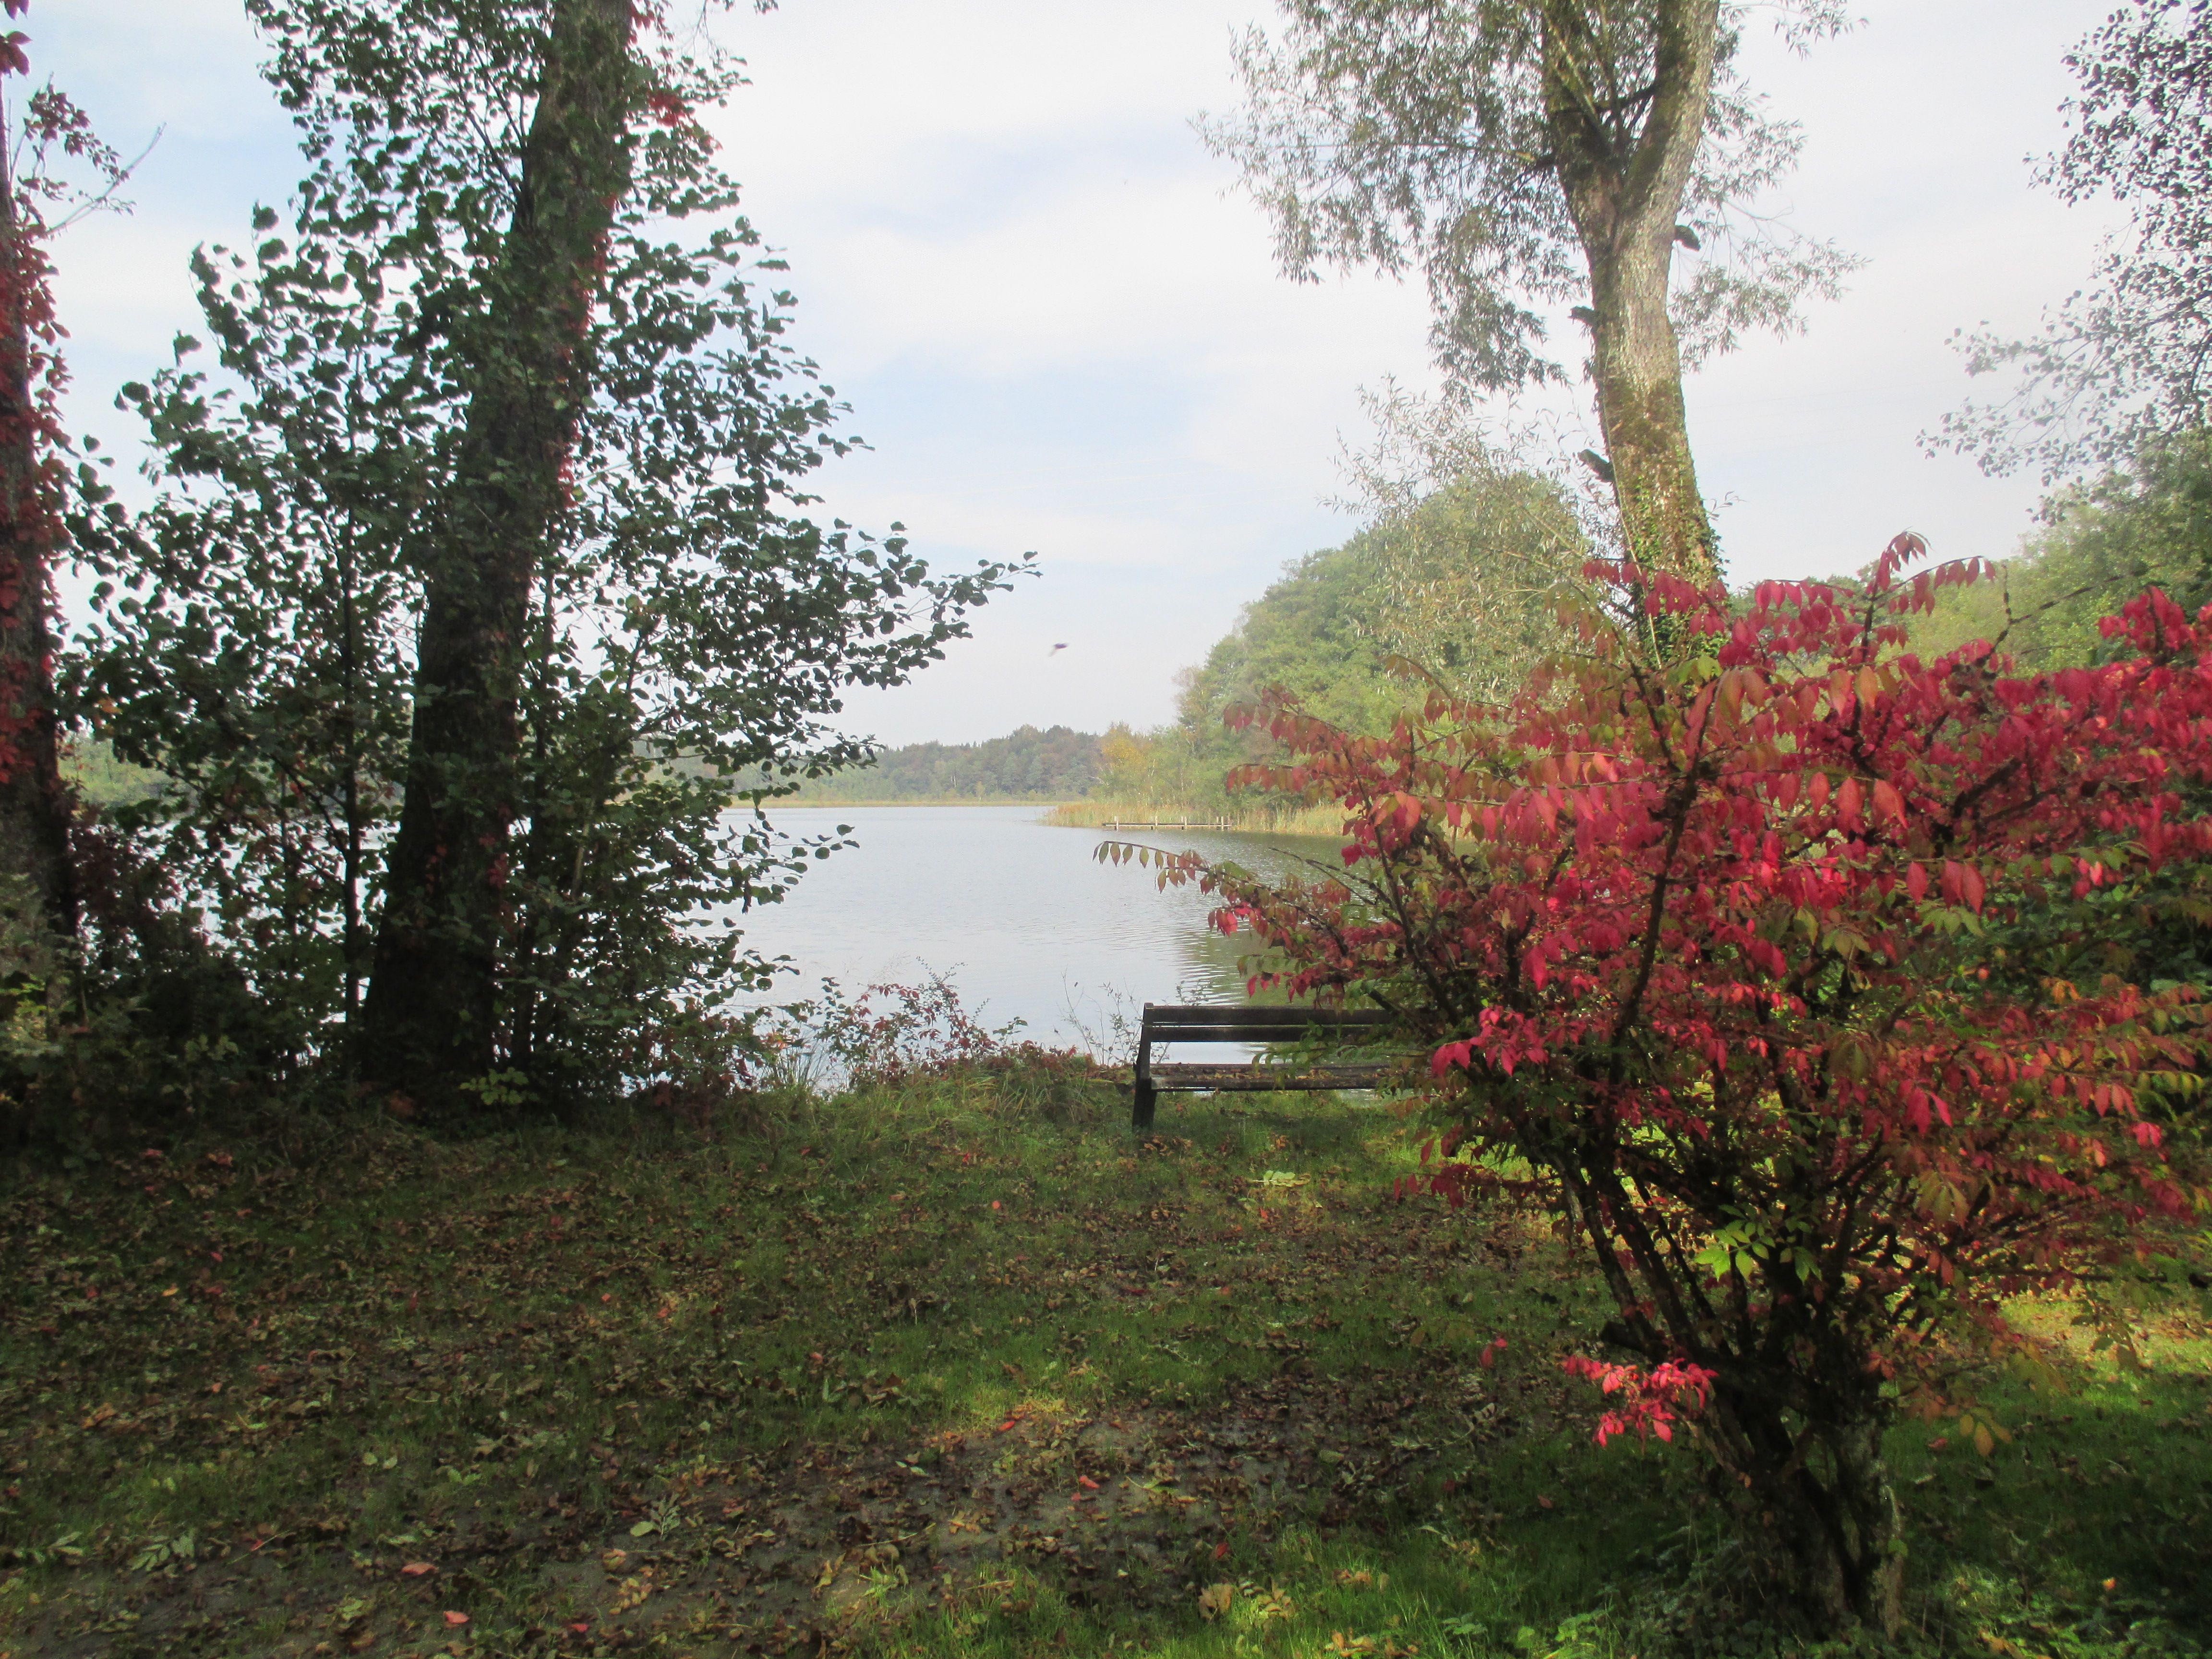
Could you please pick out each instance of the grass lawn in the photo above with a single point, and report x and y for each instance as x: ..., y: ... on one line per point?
x: 950, y: 1370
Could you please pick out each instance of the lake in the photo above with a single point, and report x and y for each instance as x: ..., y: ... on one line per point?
x: 1019, y: 917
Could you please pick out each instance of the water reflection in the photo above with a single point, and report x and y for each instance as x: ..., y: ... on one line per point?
x: 1027, y: 924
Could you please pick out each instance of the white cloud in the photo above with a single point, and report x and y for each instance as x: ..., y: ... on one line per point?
x: 1060, y: 330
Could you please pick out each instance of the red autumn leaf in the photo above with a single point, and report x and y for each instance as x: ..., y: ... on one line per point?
x: 1888, y: 804
x: 456, y: 1618
x: 1679, y: 964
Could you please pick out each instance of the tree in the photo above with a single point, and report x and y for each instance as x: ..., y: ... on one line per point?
x: 2127, y: 361
x: 1774, y: 968
x: 1054, y: 764
x: 1458, y: 582
x: 249, y: 636
x: 1468, y: 558
x: 48, y: 133
x: 1527, y: 154
x: 497, y: 389
x: 2148, y: 524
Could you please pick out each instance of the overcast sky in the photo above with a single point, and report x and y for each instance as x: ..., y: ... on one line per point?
x: 1061, y: 330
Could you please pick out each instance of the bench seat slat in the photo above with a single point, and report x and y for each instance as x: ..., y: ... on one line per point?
x: 1227, y: 1034
x: 1185, y: 1079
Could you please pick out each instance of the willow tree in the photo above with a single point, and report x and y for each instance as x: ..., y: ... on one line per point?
x: 1530, y: 156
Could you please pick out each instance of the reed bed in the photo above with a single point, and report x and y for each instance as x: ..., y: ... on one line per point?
x: 1241, y: 818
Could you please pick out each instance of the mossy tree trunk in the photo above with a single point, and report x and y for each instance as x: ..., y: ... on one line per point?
x: 1624, y: 194
x: 34, y: 805
x: 430, y: 1018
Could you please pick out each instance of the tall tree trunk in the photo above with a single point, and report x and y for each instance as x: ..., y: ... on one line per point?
x: 1624, y: 194
x: 429, y: 1023
x: 35, y: 806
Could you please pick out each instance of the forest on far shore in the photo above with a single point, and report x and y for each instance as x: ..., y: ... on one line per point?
x: 1054, y: 764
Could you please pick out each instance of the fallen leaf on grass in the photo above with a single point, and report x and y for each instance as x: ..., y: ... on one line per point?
x: 1214, y: 1599
x: 457, y: 1619
x: 416, y: 1569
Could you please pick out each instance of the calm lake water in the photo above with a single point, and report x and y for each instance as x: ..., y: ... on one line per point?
x: 1021, y: 918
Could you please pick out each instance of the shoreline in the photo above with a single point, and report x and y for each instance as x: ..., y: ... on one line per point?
x: 1315, y: 823
x: 1045, y: 804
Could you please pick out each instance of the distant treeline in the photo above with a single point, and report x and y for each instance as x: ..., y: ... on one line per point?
x: 104, y: 781
x: 1054, y: 764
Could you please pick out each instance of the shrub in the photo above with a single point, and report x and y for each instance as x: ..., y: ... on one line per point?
x: 1706, y: 944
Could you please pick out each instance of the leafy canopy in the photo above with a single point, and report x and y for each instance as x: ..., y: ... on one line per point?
x: 1421, y: 135
x: 2148, y: 524
x: 257, y: 623
x: 2127, y: 360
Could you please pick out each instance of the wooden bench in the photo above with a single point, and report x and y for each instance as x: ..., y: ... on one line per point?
x: 1165, y: 1022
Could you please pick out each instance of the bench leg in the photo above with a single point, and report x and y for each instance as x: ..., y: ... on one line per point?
x: 1141, y: 1116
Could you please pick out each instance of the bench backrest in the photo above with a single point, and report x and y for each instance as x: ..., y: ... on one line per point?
x: 1208, y: 1023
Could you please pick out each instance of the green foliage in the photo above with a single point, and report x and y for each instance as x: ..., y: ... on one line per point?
x: 1459, y: 586
x: 1304, y: 634
x: 2148, y: 525
x: 139, y: 1019
x: 1308, y: 633
x: 257, y: 624
x: 1056, y: 764
x: 103, y: 781
x: 1446, y: 137
x: 250, y: 631
x: 1465, y: 583
x: 2127, y: 359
